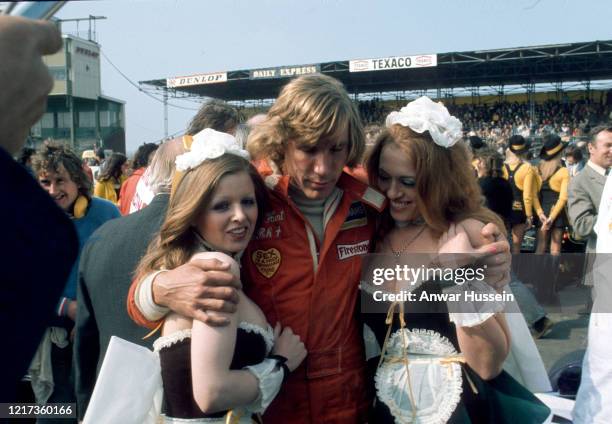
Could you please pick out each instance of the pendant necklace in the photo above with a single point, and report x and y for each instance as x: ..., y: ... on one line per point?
x: 407, y: 243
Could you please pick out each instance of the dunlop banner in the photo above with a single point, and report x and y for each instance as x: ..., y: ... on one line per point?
x: 199, y: 79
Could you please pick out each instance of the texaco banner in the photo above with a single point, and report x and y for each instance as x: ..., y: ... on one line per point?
x: 393, y: 62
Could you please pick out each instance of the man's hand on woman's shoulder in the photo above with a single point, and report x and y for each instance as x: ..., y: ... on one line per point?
x: 198, y: 289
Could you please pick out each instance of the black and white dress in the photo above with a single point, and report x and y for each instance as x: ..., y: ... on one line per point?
x: 253, y: 345
x: 423, y: 378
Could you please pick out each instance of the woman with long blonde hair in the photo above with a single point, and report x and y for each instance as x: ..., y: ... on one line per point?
x: 207, y: 371
x: 553, y: 192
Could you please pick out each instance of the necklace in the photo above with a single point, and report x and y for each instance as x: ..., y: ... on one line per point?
x: 414, y: 222
x: 407, y: 243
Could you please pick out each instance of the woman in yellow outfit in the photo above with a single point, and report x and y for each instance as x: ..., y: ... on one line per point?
x: 111, y: 177
x: 554, y: 179
x: 523, y: 179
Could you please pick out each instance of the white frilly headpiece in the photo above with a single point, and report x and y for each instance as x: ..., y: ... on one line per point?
x: 209, y: 144
x: 423, y: 115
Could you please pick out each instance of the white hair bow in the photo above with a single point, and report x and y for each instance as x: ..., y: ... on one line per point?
x: 423, y: 115
x: 209, y: 144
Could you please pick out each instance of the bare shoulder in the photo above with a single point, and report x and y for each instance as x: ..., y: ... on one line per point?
x: 473, y: 228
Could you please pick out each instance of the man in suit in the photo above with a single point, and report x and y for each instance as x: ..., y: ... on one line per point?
x: 594, y: 397
x: 106, y: 269
x: 584, y: 194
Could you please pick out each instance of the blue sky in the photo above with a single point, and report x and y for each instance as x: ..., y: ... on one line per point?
x: 149, y: 39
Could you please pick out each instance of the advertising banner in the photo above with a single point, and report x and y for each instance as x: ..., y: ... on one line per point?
x: 284, y: 71
x: 393, y: 62
x: 199, y: 79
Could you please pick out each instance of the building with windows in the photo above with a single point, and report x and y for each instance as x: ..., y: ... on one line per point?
x: 78, y: 114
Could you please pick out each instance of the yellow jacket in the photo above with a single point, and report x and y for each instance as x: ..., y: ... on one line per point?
x: 558, y: 182
x: 526, y: 180
x: 108, y: 189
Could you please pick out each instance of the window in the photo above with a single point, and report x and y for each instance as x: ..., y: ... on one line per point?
x: 58, y: 73
x: 87, y: 119
x: 47, y: 120
x: 63, y: 119
x: 104, y: 118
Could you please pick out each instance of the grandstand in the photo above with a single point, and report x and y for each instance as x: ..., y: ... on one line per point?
x: 484, y: 88
x: 474, y: 70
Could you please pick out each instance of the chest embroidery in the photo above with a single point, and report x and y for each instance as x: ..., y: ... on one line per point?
x: 268, y: 233
x: 267, y: 261
x: 348, y: 250
x: 356, y: 217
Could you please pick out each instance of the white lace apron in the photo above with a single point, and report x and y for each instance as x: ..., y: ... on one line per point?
x: 419, y: 374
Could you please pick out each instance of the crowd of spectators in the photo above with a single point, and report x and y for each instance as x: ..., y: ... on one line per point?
x: 372, y: 111
x: 500, y: 120
x: 504, y: 119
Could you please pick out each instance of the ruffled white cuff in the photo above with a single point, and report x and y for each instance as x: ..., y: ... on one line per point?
x: 270, y: 376
x: 143, y: 298
x: 466, y: 313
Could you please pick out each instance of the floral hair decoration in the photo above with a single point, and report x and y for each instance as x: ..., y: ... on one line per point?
x: 209, y: 144
x: 423, y: 115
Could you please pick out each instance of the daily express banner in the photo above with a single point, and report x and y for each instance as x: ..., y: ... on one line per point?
x: 196, y: 79
x: 394, y: 62
x: 284, y: 71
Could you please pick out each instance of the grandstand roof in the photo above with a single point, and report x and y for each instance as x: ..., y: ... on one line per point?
x: 585, y: 61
